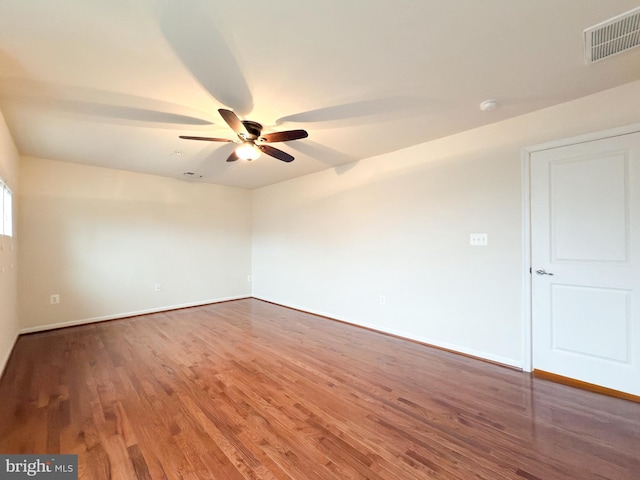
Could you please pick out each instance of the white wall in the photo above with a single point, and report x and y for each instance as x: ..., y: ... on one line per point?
x: 102, y: 239
x: 398, y: 225
x: 9, y: 160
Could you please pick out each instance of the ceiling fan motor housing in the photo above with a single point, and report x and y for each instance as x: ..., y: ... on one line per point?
x: 254, y: 129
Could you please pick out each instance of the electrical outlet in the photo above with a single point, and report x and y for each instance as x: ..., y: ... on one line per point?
x: 54, y: 299
x: 478, y: 239
x: 383, y: 300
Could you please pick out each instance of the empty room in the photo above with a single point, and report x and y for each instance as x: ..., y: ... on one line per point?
x: 320, y: 240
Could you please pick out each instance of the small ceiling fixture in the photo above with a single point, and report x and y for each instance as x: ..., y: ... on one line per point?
x: 489, y: 105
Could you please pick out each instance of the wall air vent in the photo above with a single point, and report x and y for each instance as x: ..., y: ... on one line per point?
x: 616, y: 35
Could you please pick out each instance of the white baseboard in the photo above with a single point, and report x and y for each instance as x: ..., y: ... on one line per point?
x: 427, y: 341
x: 4, y: 360
x: 83, y: 321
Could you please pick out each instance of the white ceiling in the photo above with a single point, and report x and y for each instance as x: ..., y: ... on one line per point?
x: 114, y: 82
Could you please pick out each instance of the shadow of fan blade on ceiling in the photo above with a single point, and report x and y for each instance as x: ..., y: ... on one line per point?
x: 101, y: 104
x: 213, y: 161
x: 129, y: 113
x: 322, y: 153
x: 194, y: 38
x: 368, y: 111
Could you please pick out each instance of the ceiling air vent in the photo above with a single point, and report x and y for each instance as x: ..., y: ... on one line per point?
x: 616, y: 35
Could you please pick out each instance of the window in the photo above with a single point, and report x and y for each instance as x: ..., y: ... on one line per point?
x: 6, y: 225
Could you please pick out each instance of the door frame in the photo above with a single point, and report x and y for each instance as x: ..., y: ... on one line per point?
x: 527, y: 291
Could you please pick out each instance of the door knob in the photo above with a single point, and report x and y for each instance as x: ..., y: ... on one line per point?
x: 542, y: 271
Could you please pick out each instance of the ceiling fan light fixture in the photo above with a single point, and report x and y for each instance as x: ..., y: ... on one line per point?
x: 247, y: 151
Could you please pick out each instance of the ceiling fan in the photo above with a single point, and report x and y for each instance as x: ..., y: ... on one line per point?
x: 251, y: 141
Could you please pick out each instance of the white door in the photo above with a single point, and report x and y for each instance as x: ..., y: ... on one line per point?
x: 585, y: 247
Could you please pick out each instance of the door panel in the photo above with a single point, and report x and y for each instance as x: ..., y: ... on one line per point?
x: 585, y: 217
x: 577, y: 326
x: 589, y: 208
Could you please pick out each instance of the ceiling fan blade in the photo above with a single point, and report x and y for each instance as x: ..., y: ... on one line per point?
x: 284, y: 136
x: 207, y: 139
x: 274, y: 152
x: 233, y: 121
x: 233, y: 157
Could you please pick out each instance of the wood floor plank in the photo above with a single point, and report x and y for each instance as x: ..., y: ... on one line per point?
x: 250, y: 390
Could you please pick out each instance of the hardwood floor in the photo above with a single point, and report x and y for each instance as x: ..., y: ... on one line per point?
x: 250, y: 390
